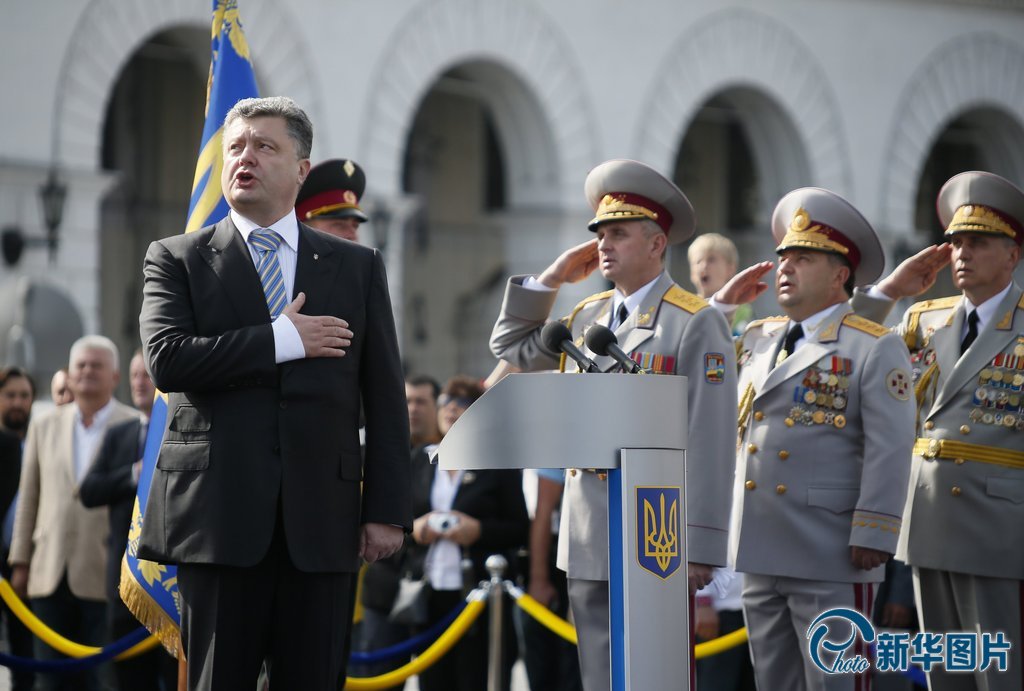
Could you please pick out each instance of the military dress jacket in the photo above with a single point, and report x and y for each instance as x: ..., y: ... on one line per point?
x: 671, y: 332
x: 965, y: 508
x: 823, y: 449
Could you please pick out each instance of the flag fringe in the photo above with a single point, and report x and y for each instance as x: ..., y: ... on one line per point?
x: 149, y: 613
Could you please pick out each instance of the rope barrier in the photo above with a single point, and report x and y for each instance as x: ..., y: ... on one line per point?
x: 412, y: 645
x: 54, y: 639
x: 566, y: 630
x: 75, y: 664
x: 476, y: 601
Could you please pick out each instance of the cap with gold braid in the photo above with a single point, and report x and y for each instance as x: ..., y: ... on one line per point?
x: 816, y: 219
x: 332, y: 190
x: 979, y: 202
x: 624, y: 190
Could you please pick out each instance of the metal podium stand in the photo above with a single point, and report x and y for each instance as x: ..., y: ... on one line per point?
x: 635, y: 427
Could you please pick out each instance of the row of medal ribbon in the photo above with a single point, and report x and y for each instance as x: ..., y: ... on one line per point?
x: 997, y: 399
x: 822, y: 397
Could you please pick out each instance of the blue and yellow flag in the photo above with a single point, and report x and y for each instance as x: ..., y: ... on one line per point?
x: 151, y: 590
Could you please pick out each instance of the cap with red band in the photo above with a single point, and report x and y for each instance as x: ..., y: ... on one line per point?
x: 817, y: 219
x: 332, y: 190
x: 984, y: 203
x: 624, y: 190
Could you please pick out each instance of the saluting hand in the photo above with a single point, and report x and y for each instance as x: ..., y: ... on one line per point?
x: 321, y: 336
x: 917, y: 274
x: 573, y: 265
x: 746, y: 286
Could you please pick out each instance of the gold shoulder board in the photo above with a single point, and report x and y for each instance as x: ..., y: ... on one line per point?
x: 937, y: 304
x: 583, y: 303
x: 865, y: 325
x: 684, y: 300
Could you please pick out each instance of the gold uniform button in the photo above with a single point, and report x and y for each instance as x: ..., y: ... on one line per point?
x: 572, y: 471
x: 955, y: 491
x: 959, y: 461
x: 789, y: 422
x: 929, y: 425
x: 751, y: 448
x: 750, y: 484
x: 965, y: 429
x: 759, y: 416
x: 780, y: 489
x: 783, y: 454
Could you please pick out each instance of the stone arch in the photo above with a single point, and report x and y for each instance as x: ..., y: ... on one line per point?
x: 768, y: 67
x: 534, y: 75
x: 99, y: 49
x: 975, y: 72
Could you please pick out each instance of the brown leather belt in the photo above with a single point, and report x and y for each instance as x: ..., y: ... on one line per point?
x: 962, y: 451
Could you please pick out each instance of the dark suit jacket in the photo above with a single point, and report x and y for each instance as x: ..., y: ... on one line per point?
x: 10, y: 470
x: 493, y: 497
x: 109, y: 483
x: 245, y: 437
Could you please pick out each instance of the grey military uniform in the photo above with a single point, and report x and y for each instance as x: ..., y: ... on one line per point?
x: 964, y: 519
x: 671, y: 332
x: 822, y: 465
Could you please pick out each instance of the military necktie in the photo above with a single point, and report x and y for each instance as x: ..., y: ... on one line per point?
x: 789, y: 344
x: 972, y: 331
x: 266, y: 243
x: 621, y: 315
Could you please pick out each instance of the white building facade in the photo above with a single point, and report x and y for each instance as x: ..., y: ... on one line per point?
x: 477, y: 121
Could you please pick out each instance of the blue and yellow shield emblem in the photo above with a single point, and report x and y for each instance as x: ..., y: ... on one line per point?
x: 657, y: 529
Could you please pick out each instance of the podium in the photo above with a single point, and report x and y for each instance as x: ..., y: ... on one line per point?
x: 634, y: 427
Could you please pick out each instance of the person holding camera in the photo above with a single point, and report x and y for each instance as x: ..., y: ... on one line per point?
x: 464, y: 516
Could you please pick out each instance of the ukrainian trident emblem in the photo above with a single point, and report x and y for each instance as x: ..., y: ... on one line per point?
x: 657, y: 527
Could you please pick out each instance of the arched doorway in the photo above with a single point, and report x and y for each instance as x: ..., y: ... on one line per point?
x: 153, y: 123
x: 982, y: 138
x: 739, y: 154
x: 478, y: 148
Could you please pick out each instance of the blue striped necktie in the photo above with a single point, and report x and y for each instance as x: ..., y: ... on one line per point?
x: 266, y: 243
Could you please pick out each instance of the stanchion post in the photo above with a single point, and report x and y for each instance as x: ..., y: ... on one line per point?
x: 496, y: 566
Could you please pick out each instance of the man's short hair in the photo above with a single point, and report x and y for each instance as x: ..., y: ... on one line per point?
x: 713, y: 243
x: 15, y: 372
x: 840, y: 260
x: 425, y: 380
x: 300, y: 129
x: 96, y: 342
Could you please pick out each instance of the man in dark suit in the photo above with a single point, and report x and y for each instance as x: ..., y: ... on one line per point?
x: 256, y: 493
x: 17, y: 392
x: 112, y: 481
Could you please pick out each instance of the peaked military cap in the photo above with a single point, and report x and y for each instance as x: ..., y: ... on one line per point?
x: 979, y: 202
x: 624, y: 190
x: 816, y: 219
x: 332, y: 190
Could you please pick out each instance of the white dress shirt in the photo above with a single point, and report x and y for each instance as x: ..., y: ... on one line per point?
x: 444, y: 558
x: 287, y: 342
x: 87, y: 439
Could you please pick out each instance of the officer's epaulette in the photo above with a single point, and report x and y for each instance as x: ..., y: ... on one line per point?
x: 583, y: 303
x: 684, y: 300
x: 937, y: 304
x: 765, y: 320
x: 866, y: 325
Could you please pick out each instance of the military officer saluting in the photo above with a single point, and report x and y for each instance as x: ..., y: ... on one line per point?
x: 638, y: 213
x: 964, y: 520
x: 826, y: 429
x: 329, y: 198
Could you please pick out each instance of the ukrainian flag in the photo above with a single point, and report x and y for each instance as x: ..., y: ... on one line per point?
x: 151, y: 590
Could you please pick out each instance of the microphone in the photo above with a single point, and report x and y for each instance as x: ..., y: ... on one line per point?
x: 557, y: 337
x: 602, y: 341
